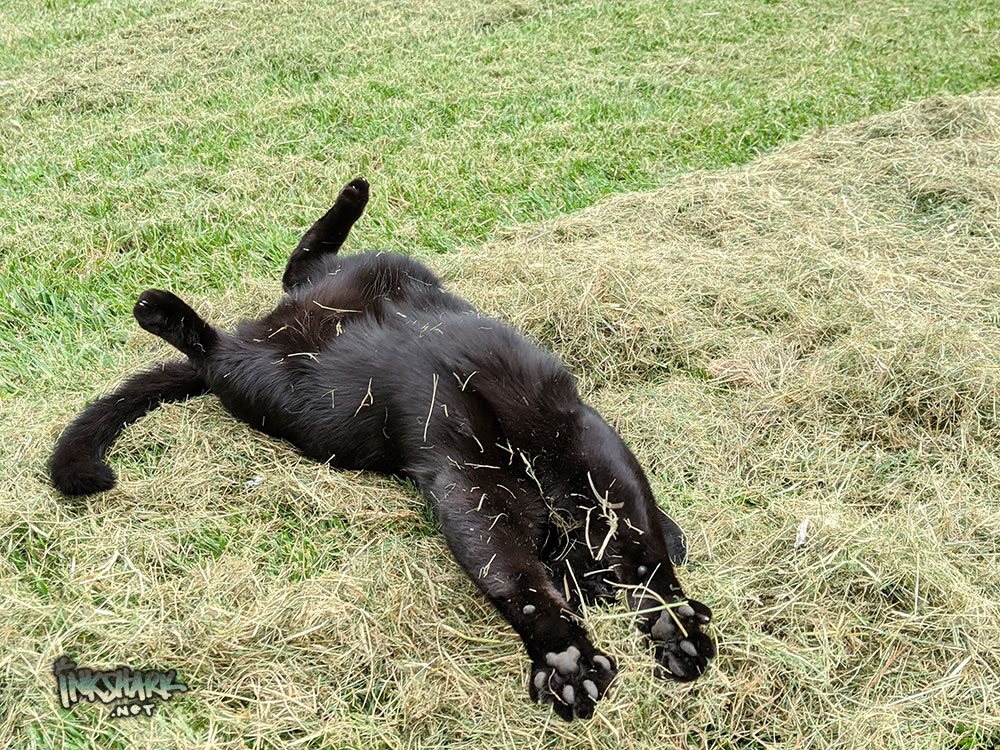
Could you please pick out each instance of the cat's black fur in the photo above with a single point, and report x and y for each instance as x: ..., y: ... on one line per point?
x: 368, y: 363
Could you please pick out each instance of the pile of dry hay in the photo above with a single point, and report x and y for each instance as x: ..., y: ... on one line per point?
x: 804, y: 354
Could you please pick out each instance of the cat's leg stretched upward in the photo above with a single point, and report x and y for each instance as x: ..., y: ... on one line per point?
x: 77, y: 464
x: 326, y: 236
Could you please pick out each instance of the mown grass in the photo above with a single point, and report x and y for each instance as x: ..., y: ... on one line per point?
x: 802, y: 352
x: 185, y: 143
x: 810, y: 338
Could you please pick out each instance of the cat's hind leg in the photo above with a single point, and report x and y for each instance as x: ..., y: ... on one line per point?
x: 166, y: 315
x: 494, y: 541
x: 570, y: 556
x: 539, y: 410
x: 629, y: 533
x: 326, y: 236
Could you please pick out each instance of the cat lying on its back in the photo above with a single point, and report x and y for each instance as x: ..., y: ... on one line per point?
x: 368, y: 363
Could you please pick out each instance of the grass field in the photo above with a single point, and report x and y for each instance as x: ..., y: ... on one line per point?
x: 191, y: 140
x: 802, y: 347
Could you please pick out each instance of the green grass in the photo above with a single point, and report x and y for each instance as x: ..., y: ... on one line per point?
x: 813, y: 336
x: 184, y: 144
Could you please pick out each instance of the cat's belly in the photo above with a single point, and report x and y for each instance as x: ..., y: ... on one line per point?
x: 328, y: 413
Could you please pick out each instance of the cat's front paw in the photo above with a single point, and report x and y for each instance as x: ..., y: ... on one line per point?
x: 354, y: 197
x: 572, y: 681
x: 159, y: 312
x: 682, y: 649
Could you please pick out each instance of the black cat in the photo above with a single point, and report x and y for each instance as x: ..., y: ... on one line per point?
x: 368, y: 363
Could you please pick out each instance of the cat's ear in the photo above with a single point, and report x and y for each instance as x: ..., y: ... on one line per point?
x: 329, y: 233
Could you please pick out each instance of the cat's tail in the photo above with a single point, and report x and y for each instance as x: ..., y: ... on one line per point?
x: 77, y: 465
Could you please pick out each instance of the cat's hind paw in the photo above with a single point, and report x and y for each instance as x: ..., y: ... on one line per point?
x: 571, y: 681
x: 682, y: 649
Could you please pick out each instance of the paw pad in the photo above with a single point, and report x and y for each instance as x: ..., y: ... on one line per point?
x: 663, y: 627
x: 540, y: 679
x: 682, y: 650
x: 565, y: 662
x: 572, y: 681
